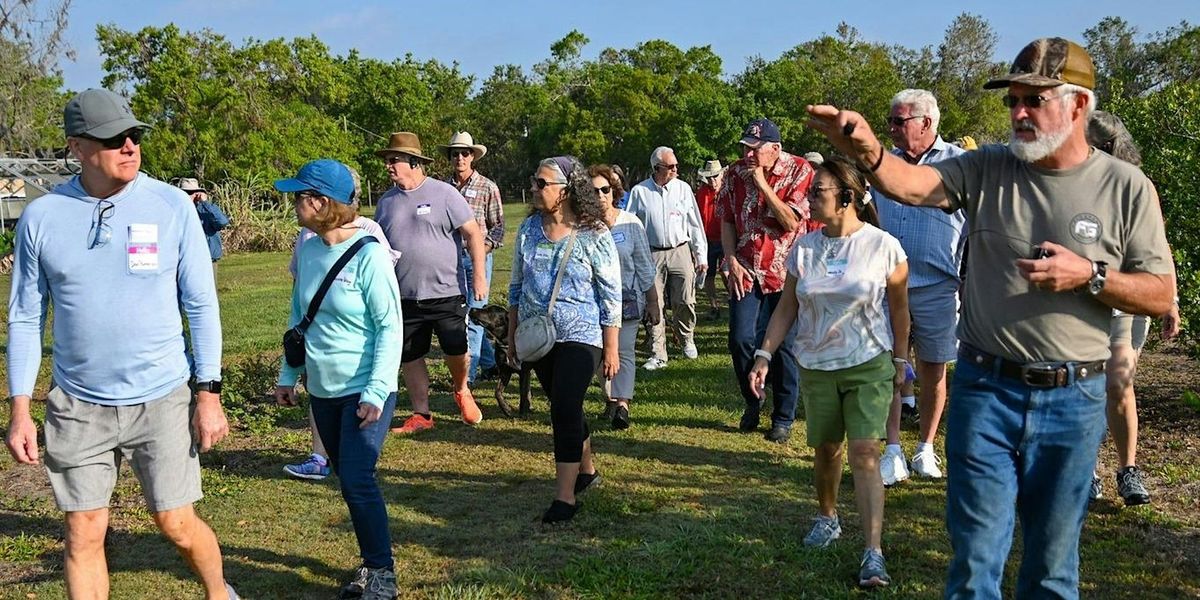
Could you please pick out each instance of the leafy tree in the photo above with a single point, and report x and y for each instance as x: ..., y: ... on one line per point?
x: 31, y: 43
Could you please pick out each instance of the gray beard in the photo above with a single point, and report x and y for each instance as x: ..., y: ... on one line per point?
x: 1045, y: 145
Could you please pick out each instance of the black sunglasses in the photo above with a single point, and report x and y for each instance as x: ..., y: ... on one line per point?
x: 1030, y: 100
x: 900, y: 121
x: 101, y: 233
x: 604, y: 190
x: 118, y: 141
x: 461, y: 152
x: 542, y: 183
x: 674, y: 167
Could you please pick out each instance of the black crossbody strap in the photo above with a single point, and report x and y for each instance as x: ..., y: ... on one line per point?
x: 315, y: 303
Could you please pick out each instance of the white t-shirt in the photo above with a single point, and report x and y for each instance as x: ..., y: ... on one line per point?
x: 840, y: 286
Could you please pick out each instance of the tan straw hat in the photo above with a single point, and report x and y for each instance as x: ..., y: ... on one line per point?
x: 463, y: 139
x: 404, y: 142
x: 711, y: 167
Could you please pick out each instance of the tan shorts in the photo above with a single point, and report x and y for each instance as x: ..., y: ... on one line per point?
x: 1128, y: 329
x: 85, y: 443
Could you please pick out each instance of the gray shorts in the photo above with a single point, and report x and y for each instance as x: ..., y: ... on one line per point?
x: 1128, y: 329
x: 85, y: 443
x: 934, y: 311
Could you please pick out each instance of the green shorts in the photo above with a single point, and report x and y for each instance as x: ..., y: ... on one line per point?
x: 848, y: 403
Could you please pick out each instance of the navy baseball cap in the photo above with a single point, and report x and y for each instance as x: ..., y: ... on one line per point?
x: 759, y: 132
x: 326, y: 176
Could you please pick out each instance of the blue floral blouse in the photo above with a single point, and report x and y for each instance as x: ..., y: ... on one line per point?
x: 590, y: 294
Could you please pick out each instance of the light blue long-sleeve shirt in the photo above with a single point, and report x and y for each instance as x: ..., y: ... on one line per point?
x: 353, y: 345
x: 118, y: 331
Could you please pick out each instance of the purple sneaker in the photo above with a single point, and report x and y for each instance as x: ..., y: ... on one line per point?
x: 314, y: 468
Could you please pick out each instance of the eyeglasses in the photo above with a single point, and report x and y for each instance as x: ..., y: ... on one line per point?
x: 900, y: 121
x: 674, y: 167
x: 461, y: 152
x: 392, y: 159
x: 100, y: 233
x: 815, y: 190
x: 541, y: 184
x: 604, y: 190
x: 306, y: 195
x: 118, y: 141
x: 1030, y: 100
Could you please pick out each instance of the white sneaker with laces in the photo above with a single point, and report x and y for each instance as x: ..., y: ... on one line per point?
x: 927, y: 464
x: 892, y: 467
x: 654, y: 364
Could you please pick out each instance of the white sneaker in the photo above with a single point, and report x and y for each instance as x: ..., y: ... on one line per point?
x: 654, y: 364
x: 689, y: 350
x: 892, y: 467
x: 927, y: 464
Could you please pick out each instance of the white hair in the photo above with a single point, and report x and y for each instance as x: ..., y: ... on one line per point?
x: 657, y: 155
x: 1065, y: 91
x: 922, y: 102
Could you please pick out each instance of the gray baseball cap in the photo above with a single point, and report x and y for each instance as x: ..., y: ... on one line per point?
x: 98, y: 113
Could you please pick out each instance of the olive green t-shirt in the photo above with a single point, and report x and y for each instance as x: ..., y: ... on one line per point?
x: 1103, y: 209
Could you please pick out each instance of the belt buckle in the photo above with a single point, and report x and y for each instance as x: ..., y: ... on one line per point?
x: 1043, y: 374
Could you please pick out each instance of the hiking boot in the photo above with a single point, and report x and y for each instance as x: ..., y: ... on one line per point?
x: 471, y: 415
x: 586, y: 481
x: 654, y: 364
x: 414, y: 424
x: 689, y: 350
x: 778, y: 434
x: 380, y: 585
x: 927, y: 464
x: 1096, y: 490
x: 620, y: 419
x: 315, y: 468
x: 872, y: 572
x: 1131, y: 486
x: 560, y: 512
x: 892, y: 467
x: 824, y: 531
x: 750, y: 420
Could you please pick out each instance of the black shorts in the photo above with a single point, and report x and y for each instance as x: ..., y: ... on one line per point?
x: 715, y: 254
x: 446, y: 316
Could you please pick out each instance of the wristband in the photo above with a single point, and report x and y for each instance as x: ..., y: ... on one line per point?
x: 900, y: 361
x: 760, y: 353
x: 878, y: 163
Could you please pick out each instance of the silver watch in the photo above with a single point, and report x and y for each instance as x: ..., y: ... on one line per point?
x: 1099, y: 272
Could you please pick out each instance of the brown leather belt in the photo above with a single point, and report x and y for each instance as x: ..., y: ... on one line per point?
x: 1036, y: 374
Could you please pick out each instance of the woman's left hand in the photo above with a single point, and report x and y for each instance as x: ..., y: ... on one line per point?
x: 611, y: 363
x: 901, y: 373
x: 369, y: 413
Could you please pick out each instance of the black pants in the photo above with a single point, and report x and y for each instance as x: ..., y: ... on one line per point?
x: 565, y: 374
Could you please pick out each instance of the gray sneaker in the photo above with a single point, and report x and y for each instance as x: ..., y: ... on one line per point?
x: 1096, y: 490
x: 380, y: 585
x: 872, y: 572
x: 356, y: 586
x: 824, y: 531
x: 1131, y: 486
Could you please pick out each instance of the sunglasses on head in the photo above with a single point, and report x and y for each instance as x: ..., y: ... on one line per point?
x: 118, y: 141
x: 1030, y: 100
x: 900, y: 121
x: 461, y: 152
x: 541, y: 184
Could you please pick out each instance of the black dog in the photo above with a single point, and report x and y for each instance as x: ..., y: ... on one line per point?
x: 494, y: 320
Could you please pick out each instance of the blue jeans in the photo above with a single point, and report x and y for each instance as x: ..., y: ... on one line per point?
x: 1012, y: 449
x: 748, y: 320
x: 483, y: 356
x: 353, y: 453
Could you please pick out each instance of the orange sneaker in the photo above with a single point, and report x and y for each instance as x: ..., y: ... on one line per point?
x: 414, y: 424
x: 471, y: 415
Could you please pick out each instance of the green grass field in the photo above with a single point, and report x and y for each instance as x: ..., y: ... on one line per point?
x: 689, y: 507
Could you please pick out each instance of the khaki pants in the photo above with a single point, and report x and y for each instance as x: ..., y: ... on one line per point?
x: 675, y: 274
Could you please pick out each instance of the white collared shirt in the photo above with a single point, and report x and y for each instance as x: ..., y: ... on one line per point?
x: 670, y: 215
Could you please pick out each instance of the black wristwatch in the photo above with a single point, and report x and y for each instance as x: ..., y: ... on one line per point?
x: 1099, y: 272
x: 212, y: 387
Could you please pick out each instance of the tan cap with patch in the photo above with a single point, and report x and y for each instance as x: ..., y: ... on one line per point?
x: 1049, y: 62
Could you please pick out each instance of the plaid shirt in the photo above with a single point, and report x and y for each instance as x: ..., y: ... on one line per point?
x: 484, y: 197
x: 762, y: 244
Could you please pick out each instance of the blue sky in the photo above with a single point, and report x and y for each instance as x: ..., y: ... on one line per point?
x: 480, y: 34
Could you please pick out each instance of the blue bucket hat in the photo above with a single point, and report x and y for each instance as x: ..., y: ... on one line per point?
x: 326, y: 176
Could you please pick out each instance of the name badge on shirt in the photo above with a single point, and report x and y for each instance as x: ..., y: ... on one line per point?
x: 470, y: 193
x: 142, y: 248
x: 424, y: 209
x: 836, y: 267
x: 542, y: 256
x: 618, y: 237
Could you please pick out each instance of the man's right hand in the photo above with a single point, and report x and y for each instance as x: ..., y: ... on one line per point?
x: 22, y: 433
x: 860, y: 143
x: 285, y: 395
x: 739, y: 279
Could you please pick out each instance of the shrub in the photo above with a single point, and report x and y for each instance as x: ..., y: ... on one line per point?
x: 259, y: 220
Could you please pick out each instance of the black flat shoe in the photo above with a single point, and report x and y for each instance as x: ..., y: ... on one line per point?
x: 610, y: 409
x: 586, y: 481
x: 621, y: 418
x: 561, y: 512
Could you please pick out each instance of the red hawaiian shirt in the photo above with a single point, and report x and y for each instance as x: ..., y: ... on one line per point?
x: 762, y: 244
